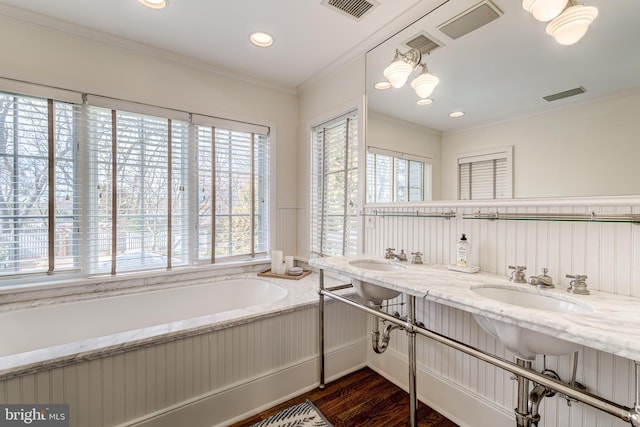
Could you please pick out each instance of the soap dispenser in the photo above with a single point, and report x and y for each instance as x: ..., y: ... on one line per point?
x: 463, y: 256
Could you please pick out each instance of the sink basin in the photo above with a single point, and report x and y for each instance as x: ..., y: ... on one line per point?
x: 375, y: 294
x: 378, y: 265
x: 525, y: 343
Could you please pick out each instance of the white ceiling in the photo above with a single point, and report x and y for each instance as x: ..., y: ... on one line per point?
x: 309, y: 37
x: 497, y: 72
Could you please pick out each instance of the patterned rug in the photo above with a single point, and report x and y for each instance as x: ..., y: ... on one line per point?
x: 302, y: 415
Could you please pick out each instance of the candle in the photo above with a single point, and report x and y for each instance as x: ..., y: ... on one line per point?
x: 276, y: 261
x: 288, y: 263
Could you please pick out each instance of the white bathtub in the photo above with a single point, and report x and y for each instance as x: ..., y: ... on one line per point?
x: 118, y: 317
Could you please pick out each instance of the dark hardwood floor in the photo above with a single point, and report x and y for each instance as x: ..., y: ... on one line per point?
x: 362, y: 398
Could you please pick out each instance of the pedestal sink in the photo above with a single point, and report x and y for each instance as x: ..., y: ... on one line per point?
x: 375, y: 294
x: 525, y: 343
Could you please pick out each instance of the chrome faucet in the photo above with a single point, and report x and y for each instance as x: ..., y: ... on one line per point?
x: 578, y: 285
x: 390, y: 255
x: 542, y: 280
x: 518, y: 276
x: 417, y: 258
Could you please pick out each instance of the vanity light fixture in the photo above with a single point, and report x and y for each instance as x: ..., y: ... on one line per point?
x: 424, y: 101
x: 402, y: 65
x: 155, y: 4
x: 544, y: 10
x: 456, y: 114
x: 383, y: 85
x: 261, y: 39
x: 573, y: 23
x: 425, y: 83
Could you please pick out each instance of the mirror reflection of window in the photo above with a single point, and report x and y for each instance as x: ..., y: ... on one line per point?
x: 394, y: 177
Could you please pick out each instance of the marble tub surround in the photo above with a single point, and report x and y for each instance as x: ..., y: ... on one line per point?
x: 610, y: 322
x: 301, y: 294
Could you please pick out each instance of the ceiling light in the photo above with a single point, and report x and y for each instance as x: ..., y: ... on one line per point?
x: 424, y: 101
x: 261, y: 39
x: 382, y: 85
x: 572, y: 23
x: 402, y: 65
x: 425, y: 83
x: 155, y: 4
x: 544, y: 10
x: 456, y: 114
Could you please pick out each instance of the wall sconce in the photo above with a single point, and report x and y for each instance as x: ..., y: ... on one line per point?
x: 569, y: 20
x: 402, y: 65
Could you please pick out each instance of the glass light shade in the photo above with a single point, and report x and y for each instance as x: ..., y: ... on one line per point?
x: 397, y: 73
x: 572, y: 24
x: 424, y: 84
x: 155, y: 4
x: 544, y: 10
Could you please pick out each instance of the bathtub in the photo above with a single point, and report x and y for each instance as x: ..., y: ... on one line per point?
x: 47, y: 331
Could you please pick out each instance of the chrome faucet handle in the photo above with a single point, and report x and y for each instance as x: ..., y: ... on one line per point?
x: 417, y: 258
x: 578, y: 285
x: 518, y: 276
x: 389, y: 252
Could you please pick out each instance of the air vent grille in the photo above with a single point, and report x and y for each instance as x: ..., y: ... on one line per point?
x: 471, y: 19
x: 565, y: 94
x: 423, y: 43
x: 354, y: 8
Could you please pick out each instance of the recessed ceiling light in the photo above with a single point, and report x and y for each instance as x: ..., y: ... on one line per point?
x: 383, y: 85
x: 261, y: 39
x: 155, y: 4
x: 456, y: 114
x: 424, y: 101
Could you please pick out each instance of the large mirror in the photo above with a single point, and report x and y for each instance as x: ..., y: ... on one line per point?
x: 583, y: 145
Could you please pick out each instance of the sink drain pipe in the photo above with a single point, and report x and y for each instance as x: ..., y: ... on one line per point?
x: 631, y: 415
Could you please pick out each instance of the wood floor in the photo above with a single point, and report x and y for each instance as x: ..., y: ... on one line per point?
x: 362, y: 398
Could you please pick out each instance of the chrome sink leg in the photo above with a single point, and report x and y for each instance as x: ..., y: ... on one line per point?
x: 321, y: 331
x: 411, y: 337
x: 522, y: 410
x: 635, y: 412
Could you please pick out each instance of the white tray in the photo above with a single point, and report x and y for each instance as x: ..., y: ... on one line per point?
x: 472, y: 269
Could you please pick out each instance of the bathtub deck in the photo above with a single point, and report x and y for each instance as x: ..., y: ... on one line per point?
x: 362, y: 398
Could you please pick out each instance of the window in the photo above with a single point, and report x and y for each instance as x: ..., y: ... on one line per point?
x: 397, y: 177
x: 334, y: 192
x: 96, y: 185
x: 233, y: 170
x: 138, y: 202
x: 485, y: 175
x: 38, y: 185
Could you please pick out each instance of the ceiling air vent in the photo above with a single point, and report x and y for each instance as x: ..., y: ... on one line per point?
x: 424, y: 43
x: 354, y: 8
x: 471, y: 19
x: 565, y: 94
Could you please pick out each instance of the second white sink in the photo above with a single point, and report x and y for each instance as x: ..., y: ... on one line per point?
x: 378, y: 265
x: 525, y: 343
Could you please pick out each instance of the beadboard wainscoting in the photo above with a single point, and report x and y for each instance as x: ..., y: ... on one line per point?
x: 468, y: 390
x: 205, y: 380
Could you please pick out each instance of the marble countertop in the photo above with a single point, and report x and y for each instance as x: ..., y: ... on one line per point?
x: 611, y: 324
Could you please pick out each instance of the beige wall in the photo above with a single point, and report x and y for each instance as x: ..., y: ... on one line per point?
x: 590, y: 150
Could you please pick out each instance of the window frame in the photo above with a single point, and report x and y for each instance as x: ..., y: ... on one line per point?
x: 426, y: 184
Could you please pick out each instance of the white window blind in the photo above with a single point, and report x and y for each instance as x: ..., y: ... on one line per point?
x: 233, y: 193
x: 138, y: 204
x: 397, y: 177
x: 485, y: 176
x: 334, y: 192
x: 39, y: 223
